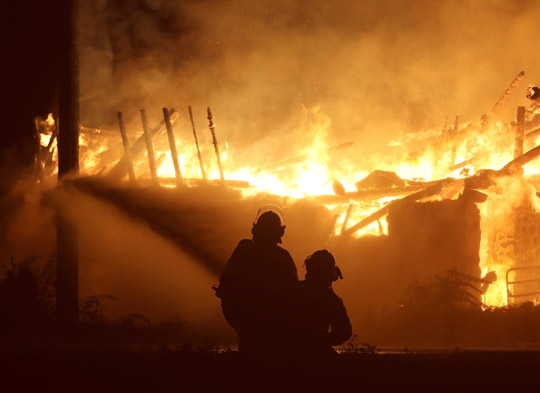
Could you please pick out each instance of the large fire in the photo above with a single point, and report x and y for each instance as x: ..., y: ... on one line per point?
x: 457, y: 151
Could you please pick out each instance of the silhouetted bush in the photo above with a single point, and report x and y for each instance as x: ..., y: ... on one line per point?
x: 447, y: 311
x: 25, y: 296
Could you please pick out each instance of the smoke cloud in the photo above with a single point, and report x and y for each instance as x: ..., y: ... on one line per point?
x: 375, y: 68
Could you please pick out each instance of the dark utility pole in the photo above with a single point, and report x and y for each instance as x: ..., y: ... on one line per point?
x: 67, y: 273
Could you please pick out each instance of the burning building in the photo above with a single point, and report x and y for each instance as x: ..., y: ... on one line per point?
x: 458, y: 194
x: 459, y: 203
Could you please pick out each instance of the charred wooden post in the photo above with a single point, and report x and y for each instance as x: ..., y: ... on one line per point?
x: 37, y: 150
x: 456, y: 126
x: 507, y: 93
x: 433, y: 190
x: 125, y: 143
x: 520, y: 132
x: 203, y: 174
x: 347, y: 216
x: 54, y: 136
x: 172, y: 146
x: 121, y: 167
x: 149, y: 148
x: 332, y: 227
x: 515, y: 165
x: 67, y: 273
x: 533, y: 133
x: 381, y: 230
x: 212, y: 127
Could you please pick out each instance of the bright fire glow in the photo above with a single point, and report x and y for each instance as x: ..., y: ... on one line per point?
x: 477, y: 146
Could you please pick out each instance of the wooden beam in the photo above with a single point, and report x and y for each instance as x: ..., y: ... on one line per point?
x: 347, y: 216
x: 172, y: 147
x: 430, y: 191
x: 149, y: 148
x: 382, y: 192
x: 121, y: 167
x: 203, y: 174
x: 507, y: 93
x: 125, y: 143
x: 212, y: 128
x: 515, y: 165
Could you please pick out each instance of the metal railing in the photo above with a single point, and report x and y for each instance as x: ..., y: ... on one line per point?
x: 512, y: 295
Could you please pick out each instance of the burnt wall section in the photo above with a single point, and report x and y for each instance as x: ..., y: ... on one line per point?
x: 433, y: 237
x: 424, y: 240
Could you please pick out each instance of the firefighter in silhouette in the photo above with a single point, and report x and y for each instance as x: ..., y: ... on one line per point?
x: 321, y: 317
x: 257, y: 285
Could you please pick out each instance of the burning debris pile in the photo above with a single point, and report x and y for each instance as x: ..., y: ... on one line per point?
x: 465, y: 198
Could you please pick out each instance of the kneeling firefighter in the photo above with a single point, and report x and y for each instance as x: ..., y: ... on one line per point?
x: 321, y: 318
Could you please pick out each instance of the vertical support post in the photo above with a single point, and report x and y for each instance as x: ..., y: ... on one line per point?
x: 347, y: 216
x: 203, y: 174
x: 67, y: 273
x: 149, y: 148
x: 125, y: 143
x: 212, y: 127
x: 456, y: 126
x: 332, y: 226
x: 520, y: 132
x: 172, y: 146
x: 50, y: 150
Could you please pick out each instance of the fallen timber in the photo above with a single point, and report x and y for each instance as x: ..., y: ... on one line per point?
x: 485, y: 178
x: 125, y: 143
x: 382, y: 192
x: 437, y: 187
x: 172, y: 146
x: 533, y: 133
x: 138, y: 148
x: 347, y: 216
x: 425, y: 193
x: 203, y: 174
x: 507, y: 93
x: 149, y: 147
x: 515, y: 165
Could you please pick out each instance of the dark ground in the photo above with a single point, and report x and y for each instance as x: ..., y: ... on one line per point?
x: 50, y: 367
